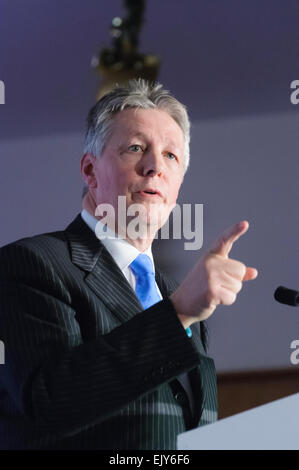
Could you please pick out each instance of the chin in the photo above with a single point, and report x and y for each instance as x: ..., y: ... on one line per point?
x: 150, y: 218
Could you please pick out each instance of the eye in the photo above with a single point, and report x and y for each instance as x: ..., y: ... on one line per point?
x: 135, y: 147
x: 171, y: 156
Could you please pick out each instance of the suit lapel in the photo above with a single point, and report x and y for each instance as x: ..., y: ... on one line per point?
x: 108, y: 282
x: 103, y: 276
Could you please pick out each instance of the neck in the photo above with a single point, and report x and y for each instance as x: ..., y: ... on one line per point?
x: 141, y: 244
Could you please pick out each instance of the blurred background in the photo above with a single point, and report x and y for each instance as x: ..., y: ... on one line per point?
x: 231, y: 63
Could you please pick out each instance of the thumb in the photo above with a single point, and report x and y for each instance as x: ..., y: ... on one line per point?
x: 251, y: 273
x: 224, y: 243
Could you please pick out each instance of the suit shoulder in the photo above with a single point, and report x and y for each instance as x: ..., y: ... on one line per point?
x: 32, y: 253
x: 36, y: 243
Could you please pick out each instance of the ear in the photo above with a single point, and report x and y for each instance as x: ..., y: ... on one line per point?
x: 87, y: 167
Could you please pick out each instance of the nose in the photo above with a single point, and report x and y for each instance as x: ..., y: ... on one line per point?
x: 151, y: 163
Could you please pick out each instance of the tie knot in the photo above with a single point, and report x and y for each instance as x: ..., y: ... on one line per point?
x: 142, y: 265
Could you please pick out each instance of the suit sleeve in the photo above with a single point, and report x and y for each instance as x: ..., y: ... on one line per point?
x: 57, y: 381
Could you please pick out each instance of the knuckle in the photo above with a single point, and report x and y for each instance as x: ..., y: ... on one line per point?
x: 239, y: 286
x: 241, y: 269
x: 231, y: 298
x: 227, y: 297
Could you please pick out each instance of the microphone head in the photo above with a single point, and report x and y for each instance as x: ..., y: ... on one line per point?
x: 287, y: 296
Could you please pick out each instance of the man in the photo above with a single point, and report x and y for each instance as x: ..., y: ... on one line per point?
x: 99, y: 354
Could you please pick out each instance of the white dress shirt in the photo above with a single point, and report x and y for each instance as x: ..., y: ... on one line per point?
x: 120, y: 249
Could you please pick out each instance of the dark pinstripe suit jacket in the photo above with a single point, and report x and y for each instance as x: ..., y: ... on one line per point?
x: 85, y: 366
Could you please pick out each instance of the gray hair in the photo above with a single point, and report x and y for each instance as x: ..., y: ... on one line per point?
x: 137, y: 93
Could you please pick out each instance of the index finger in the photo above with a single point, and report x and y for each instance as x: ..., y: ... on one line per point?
x: 224, y: 243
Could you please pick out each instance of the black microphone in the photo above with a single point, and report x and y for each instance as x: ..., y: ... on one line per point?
x: 287, y: 296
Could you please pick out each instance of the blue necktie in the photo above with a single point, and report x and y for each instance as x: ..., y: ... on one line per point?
x: 146, y: 289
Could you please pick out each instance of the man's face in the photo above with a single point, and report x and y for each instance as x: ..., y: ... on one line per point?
x: 142, y: 160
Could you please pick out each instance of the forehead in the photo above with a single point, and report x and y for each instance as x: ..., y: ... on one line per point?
x: 147, y: 123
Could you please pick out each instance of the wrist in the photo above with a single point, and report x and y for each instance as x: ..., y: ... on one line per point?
x: 186, y: 320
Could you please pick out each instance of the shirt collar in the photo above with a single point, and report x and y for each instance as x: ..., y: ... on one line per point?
x: 120, y: 249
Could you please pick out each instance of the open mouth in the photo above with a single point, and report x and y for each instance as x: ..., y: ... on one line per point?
x: 150, y: 193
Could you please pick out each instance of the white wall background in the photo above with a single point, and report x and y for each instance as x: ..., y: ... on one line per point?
x: 245, y: 168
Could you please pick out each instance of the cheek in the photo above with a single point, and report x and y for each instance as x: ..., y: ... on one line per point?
x: 174, y: 190
x: 106, y: 181
x: 113, y: 186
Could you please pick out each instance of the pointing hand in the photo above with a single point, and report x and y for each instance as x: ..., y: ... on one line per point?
x: 215, y: 279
